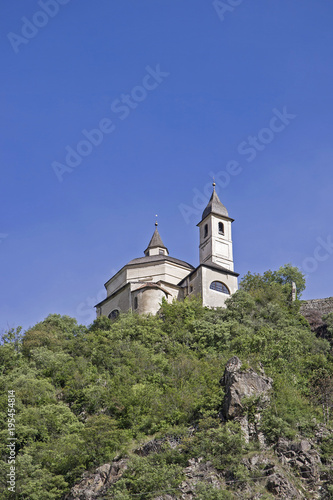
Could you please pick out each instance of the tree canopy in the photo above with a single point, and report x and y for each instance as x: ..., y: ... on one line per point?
x: 85, y: 395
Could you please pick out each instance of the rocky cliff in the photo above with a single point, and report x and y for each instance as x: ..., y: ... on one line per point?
x: 322, y: 306
x: 315, y: 311
x: 287, y: 469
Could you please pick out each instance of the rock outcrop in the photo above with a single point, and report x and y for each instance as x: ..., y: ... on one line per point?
x: 199, y: 471
x: 302, y: 457
x: 288, y: 470
x: 281, y: 487
x: 322, y: 306
x: 94, y: 485
x: 315, y: 318
x: 244, y: 389
x: 272, y: 476
x: 155, y: 446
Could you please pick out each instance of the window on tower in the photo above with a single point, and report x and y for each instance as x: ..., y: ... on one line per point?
x: 161, y: 252
x: 221, y: 228
x: 219, y: 287
x: 206, y: 231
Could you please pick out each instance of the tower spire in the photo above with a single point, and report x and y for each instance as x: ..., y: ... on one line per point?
x: 214, y: 205
x: 156, y: 245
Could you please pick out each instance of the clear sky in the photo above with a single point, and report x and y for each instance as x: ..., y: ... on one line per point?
x: 114, y: 111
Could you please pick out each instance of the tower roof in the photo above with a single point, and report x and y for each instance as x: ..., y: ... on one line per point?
x: 156, y: 241
x: 215, y: 206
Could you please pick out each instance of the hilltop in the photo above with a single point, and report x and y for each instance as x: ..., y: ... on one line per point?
x: 189, y: 403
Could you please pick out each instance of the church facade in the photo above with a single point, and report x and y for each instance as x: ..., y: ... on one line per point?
x: 141, y: 284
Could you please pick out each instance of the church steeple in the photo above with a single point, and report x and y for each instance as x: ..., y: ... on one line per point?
x: 215, y: 234
x: 214, y: 206
x: 156, y: 245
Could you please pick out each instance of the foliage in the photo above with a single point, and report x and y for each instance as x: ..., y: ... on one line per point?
x: 275, y: 283
x: 208, y: 492
x: 329, y: 322
x: 322, y: 391
x: 327, y: 448
x: 85, y: 395
x: 222, y: 445
x: 102, y: 439
x: 147, y: 477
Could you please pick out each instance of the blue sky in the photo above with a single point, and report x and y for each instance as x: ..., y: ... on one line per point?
x: 182, y: 91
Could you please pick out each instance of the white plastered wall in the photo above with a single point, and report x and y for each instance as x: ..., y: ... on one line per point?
x: 213, y: 298
x: 120, y: 301
x: 216, y: 247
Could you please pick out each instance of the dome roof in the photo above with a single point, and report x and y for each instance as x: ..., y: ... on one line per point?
x: 159, y: 258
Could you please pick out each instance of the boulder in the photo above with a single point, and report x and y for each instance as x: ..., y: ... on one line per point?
x: 281, y: 487
x: 198, y: 470
x: 156, y: 445
x: 302, y: 456
x: 240, y: 385
x: 94, y: 484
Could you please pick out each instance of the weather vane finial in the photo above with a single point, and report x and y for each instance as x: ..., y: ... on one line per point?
x: 156, y: 223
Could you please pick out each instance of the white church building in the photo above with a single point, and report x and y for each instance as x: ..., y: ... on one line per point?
x: 141, y: 284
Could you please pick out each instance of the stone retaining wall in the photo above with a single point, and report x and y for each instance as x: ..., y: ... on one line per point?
x: 323, y: 306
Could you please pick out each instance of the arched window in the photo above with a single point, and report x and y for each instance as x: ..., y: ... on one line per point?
x: 206, y: 231
x: 219, y: 287
x: 221, y: 228
x: 114, y: 314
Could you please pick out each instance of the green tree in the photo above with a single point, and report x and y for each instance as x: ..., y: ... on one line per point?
x: 148, y: 477
x: 10, y: 349
x: 103, y: 439
x: 285, y: 275
x: 322, y: 391
x: 55, y: 332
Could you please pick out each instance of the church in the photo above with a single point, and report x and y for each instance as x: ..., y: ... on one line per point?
x: 141, y: 284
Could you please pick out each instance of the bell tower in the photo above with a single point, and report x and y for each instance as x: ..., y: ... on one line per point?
x: 215, y: 234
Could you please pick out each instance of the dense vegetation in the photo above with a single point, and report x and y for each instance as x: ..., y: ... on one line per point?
x: 86, y: 395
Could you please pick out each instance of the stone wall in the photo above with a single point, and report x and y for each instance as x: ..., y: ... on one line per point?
x: 323, y: 306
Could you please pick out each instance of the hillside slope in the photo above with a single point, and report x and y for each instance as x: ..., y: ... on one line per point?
x: 193, y: 403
